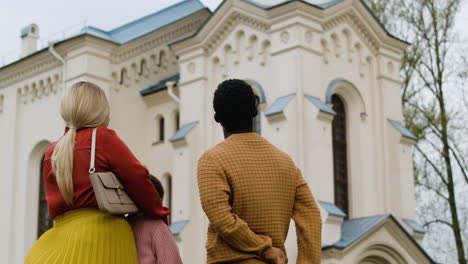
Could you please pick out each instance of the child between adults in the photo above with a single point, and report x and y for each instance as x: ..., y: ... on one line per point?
x: 153, y: 239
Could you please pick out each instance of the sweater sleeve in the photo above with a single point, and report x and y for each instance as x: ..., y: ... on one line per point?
x: 164, y: 246
x: 214, y: 195
x: 306, y: 216
x: 134, y: 176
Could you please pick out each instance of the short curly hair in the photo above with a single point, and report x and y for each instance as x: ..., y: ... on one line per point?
x: 235, y: 104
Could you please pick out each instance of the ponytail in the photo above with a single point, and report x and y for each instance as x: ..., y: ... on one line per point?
x: 62, y: 164
x: 84, y: 104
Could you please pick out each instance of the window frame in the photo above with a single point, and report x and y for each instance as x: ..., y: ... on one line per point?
x: 340, y: 155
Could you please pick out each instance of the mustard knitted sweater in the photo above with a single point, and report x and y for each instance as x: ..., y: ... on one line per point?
x: 250, y: 190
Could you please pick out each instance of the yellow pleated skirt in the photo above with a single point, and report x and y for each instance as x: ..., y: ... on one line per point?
x: 85, y: 236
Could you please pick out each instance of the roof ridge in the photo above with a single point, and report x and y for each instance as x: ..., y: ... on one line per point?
x: 141, y: 19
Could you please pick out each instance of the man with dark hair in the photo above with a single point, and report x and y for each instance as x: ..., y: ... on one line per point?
x: 250, y: 190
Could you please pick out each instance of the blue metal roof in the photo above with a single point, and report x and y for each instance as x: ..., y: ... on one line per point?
x: 402, y: 129
x: 320, y: 105
x: 160, y: 86
x: 183, y: 131
x: 177, y: 227
x: 332, y: 209
x: 354, y: 229
x: 147, y: 24
x: 279, y: 105
x: 415, y: 226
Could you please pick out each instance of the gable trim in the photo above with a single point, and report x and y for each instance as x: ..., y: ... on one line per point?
x: 323, y: 6
x: 380, y: 220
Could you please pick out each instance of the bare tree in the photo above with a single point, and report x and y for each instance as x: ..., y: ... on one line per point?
x: 433, y: 74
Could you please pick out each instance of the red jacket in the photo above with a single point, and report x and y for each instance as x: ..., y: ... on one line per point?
x: 111, y: 155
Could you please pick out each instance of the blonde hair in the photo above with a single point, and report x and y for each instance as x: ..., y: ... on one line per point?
x: 83, y: 105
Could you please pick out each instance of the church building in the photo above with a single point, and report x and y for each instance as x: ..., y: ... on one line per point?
x: 326, y: 73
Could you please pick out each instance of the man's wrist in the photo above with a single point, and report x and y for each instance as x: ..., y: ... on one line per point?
x: 270, y: 255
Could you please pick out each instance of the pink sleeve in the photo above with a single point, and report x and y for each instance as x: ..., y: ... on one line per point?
x: 164, y: 246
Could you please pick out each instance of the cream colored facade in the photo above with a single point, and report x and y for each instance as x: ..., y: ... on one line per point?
x: 284, y: 48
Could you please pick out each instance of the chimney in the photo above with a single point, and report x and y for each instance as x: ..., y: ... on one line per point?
x: 29, y: 37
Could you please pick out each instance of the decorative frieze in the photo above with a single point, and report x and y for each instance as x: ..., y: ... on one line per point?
x: 235, y: 19
x: 143, y: 67
x: 40, y: 88
x: 354, y: 21
x: 257, y: 50
x: 342, y: 42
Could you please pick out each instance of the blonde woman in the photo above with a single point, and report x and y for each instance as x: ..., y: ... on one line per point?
x: 83, y: 234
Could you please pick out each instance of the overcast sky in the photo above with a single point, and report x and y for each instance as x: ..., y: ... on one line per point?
x: 57, y: 16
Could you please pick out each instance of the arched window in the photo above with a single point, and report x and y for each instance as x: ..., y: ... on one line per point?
x: 259, y: 92
x: 44, y: 223
x: 143, y: 67
x: 123, y: 76
x: 168, y: 192
x: 1, y: 103
x: 160, y: 121
x: 340, y: 160
x: 176, y: 121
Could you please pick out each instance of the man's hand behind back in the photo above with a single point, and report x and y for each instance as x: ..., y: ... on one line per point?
x: 281, y: 256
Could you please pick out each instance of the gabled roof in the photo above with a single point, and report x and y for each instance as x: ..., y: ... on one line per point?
x: 324, y: 6
x: 137, y: 28
x: 147, y: 24
x: 319, y: 6
x: 354, y: 229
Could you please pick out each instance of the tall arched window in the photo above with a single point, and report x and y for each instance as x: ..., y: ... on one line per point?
x: 168, y: 192
x: 44, y: 223
x: 340, y: 161
x: 161, y: 128
x: 177, y: 121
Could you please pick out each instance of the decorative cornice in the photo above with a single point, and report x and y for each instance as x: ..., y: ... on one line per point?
x: 28, y: 70
x: 353, y: 20
x: 152, y: 41
x: 234, y: 19
x: 43, y: 61
x: 40, y: 88
x: 39, y: 63
x: 160, y: 62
